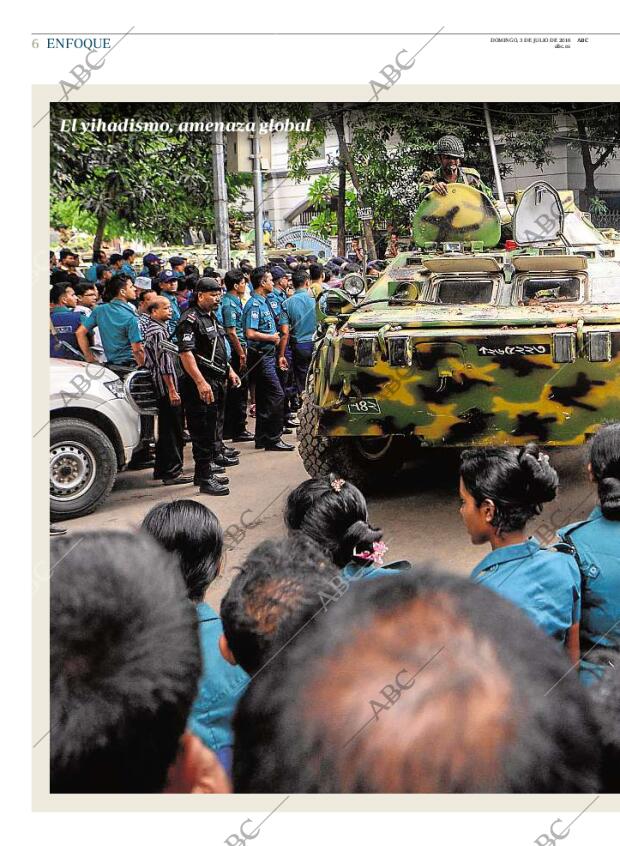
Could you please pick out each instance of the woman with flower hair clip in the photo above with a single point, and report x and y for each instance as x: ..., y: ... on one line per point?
x: 501, y: 489
x: 333, y: 512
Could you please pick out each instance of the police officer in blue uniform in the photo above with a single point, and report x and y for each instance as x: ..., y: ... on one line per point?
x: 202, y: 349
x: 260, y: 326
x: 278, y: 300
x: 235, y: 421
x: 167, y: 281
x: 596, y: 542
x: 301, y: 310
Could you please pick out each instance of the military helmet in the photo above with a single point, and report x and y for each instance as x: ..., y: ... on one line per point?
x: 450, y: 145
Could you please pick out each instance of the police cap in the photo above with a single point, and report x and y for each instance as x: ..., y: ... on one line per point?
x: 208, y: 283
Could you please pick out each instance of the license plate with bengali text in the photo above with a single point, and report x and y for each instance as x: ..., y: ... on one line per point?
x: 366, y: 405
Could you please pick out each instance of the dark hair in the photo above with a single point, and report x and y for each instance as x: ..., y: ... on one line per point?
x: 328, y: 274
x: 193, y: 533
x: 299, y: 279
x: 188, y: 283
x: 606, y: 701
x: 605, y: 461
x: 62, y: 254
x: 316, y: 271
x: 97, y: 256
x: 144, y: 292
x: 82, y: 287
x: 124, y: 663
x: 211, y: 273
x: 336, y: 520
x: 114, y: 258
x: 191, y: 272
x: 517, y: 480
x: 113, y: 287
x: 258, y: 274
x: 422, y: 683
x: 101, y: 269
x: 232, y: 278
x: 127, y: 254
x: 279, y: 590
x: 57, y: 290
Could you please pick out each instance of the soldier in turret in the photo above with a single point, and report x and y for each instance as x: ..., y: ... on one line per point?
x: 450, y: 154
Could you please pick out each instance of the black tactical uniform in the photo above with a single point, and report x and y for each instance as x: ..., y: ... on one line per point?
x: 200, y: 333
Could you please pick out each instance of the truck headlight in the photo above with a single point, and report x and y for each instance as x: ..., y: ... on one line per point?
x: 564, y: 347
x: 353, y: 284
x: 116, y: 387
x: 365, y: 349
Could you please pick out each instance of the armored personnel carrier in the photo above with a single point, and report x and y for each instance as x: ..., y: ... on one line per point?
x: 462, y: 342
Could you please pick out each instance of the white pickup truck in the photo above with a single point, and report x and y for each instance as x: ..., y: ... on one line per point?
x: 94, y: 429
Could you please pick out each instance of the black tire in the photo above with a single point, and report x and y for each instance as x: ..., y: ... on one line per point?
x: 83, y: 467
x: 368, y: 463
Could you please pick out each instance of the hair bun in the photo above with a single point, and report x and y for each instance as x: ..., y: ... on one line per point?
x: 359, y: 535
x: 542, y: 480
x: 609, y: 495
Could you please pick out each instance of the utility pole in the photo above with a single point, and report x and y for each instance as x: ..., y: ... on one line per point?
x: 498, y: 181
x: 258, y: 193
x: 220, y: 194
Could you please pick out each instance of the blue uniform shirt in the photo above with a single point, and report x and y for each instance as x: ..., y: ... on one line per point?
x: 128, y: 270
x: 597, y: 542
x: 352, y: 572
x: 220, y: 686
x: 119, y: 329
x: 259, y: 316
x: 64, y: 343
x: 543, y: 583
x: 279, y: 294
x: 220, y: 319
x: 301, y: 310
x: 91, y: 273
x: 277, y: 305
x: 232, y: 314
x: 176, y: 312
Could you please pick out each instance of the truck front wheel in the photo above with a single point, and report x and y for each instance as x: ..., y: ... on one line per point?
x: 82, y: 467
x: 368, y: 463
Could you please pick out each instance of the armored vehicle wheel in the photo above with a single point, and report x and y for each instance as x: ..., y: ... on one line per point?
x: 369, y: 463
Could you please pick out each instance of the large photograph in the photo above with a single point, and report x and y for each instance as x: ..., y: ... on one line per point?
x: 335, y: 447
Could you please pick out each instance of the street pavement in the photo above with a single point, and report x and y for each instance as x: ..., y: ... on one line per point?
x: 418, y: 511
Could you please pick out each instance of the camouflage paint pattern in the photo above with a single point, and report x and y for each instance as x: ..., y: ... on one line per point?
x: 464, y: 214
x: 478, y: 374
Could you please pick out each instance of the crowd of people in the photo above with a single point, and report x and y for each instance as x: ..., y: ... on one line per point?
x: 331, y: 669
x: 219, y: 344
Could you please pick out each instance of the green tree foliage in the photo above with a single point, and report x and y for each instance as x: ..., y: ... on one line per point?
x: 150, y: 184
x: 392, y: 144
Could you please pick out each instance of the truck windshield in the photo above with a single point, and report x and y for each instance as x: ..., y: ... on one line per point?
x: 464, y: 291
x: 551, y: 289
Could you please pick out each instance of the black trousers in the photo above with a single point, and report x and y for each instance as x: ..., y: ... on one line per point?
x: 236, y: 416
x: 302, y: 355
x: 269, y: 397
x: 287, y: 381
x: 219, y: 423
x: 202, y: 424
x: 169, y: 446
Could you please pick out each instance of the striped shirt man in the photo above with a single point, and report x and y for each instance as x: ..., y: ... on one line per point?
x: 159, y: 361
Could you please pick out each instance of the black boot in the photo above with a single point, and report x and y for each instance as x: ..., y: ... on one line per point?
x: 211, y: 486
